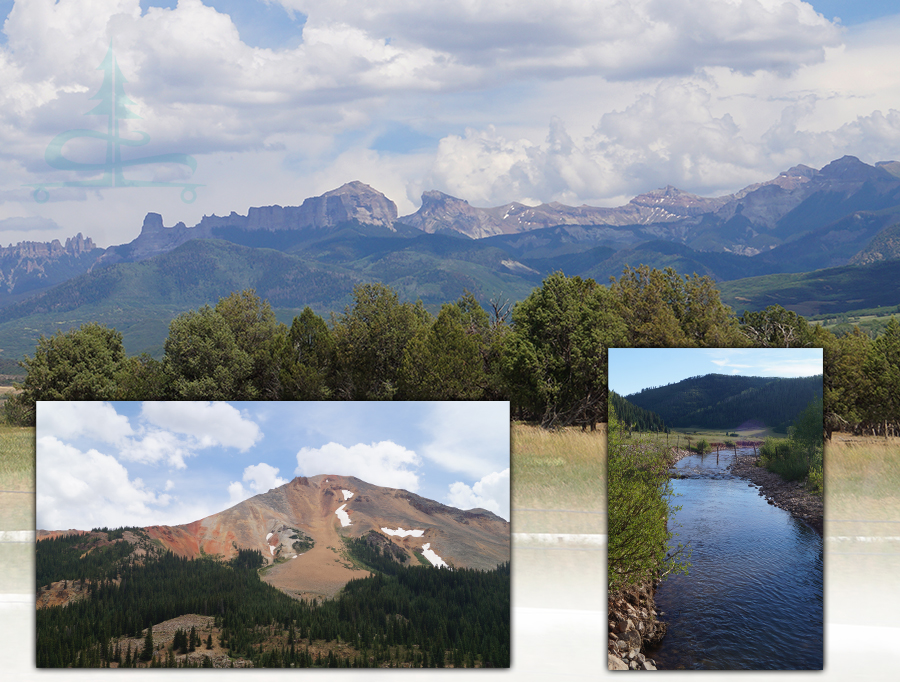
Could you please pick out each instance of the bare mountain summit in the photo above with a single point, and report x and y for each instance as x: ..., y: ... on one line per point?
x: 299, y: 528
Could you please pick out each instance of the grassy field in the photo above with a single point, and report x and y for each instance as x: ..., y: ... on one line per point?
x: 862, y: 480
x: 679, y: 437
x: 16, y: 458
x: 559, y: 470
x: 16, y: 509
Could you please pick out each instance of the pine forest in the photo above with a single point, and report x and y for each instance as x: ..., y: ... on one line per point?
x: 402, y: 616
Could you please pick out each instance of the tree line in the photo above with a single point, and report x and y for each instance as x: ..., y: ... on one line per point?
x: 547, y: 355
x: 633, y: 417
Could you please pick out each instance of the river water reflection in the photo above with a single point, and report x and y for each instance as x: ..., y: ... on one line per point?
x: 753, y: 597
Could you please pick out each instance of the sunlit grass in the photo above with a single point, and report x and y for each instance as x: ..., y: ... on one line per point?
x: 16, y: 458
x: 559, y: 470
x: 862, y: 478
x: 16, y: 474
x: 684, y: 438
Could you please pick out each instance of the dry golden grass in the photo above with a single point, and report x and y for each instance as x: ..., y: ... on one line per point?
x: 16, y: 458
x: 862, y: 478
x: 16, y: 474
x: 559, y: 470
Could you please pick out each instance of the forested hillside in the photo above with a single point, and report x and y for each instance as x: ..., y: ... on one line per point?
x: 718, y: 401
x: 633, y: 417
x: 403, y: 616
x: 547, y: 354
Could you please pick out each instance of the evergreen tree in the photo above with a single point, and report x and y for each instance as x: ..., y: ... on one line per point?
x: 147, y: 652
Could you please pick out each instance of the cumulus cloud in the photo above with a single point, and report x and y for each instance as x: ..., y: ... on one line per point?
x: 84, y: 490
x: 263, y: 477
x: 672, y: 135
x: 71, y: 419
x: 155, y: 446
x: 616, y: 38
x: 468, y: 437
x: 384, y: 463
x: 260, y: 478
x: 208, y: 423
x: 191, y: 75
x: 491, y: 493
x: 176, y: 429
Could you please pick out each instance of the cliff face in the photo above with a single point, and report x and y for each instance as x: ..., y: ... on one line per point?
x: 354, y: 201
x: 28, y: 267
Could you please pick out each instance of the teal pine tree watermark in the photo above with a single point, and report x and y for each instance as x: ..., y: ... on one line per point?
x: 113, y: 103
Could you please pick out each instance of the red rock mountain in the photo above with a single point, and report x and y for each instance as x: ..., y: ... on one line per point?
x: 283, y: 522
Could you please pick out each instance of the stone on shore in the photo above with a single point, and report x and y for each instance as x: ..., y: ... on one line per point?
x: 615, y: 663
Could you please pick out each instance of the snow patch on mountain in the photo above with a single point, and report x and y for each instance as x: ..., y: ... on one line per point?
x: 403, y: 533
x: 429, y: 554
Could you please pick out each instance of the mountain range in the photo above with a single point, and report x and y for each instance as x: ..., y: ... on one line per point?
x: 846, y: 214
x: 299, y: 529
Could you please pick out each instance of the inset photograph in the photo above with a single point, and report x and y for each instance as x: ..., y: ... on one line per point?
x: 273, y: 535
x: 715, y: 507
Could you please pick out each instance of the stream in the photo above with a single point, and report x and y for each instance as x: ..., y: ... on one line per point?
x: 753, y: 597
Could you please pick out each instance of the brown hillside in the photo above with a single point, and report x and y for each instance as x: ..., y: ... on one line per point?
x: 304, y: 511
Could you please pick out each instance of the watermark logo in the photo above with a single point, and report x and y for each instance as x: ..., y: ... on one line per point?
x: 114, y: 105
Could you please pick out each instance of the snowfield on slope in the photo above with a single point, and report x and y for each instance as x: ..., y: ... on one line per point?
x: 403, y: 533
x: 429, y: 554
x: 343, y: 516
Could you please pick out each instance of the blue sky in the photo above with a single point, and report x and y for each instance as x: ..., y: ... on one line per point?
x: 633, y: 369
x: 533, y: 101
x: 131, y: 463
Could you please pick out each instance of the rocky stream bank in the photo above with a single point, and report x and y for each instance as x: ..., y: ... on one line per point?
x: 633, y: 625
x: 791, y: 496
x: 633, y: 629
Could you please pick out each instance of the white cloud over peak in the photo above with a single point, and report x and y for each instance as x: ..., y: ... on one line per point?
x: 261, y: 478
x: 384, y: 463
x: 491, y: 493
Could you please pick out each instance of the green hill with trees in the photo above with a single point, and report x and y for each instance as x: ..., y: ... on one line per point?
x: 633, y: 417
x: 547, y: 355
x: 402, y: 616
x: 719, y: 401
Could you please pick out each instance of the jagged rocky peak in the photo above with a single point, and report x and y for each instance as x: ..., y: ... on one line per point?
x: 442, y: 212
x: 677, y: 202
x: 352, y: 201
x: 153, y: 223
x: 433, y: 199
x: 74, y: 246
x: 848, y: 168
x: 79, y: 244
